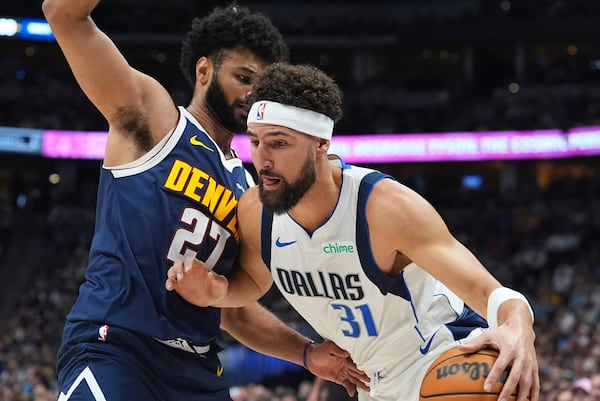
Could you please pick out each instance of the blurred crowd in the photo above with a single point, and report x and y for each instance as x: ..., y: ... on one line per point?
x: 542, y: 242
x: 415, y: 66
x: 379, y: 94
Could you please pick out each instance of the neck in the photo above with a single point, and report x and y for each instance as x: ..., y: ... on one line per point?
x: 319, y: 202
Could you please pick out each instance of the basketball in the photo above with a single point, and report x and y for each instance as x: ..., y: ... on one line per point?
x: 459, y: 376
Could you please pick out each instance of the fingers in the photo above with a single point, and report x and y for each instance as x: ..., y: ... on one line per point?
x: 528, y: 379
x: 176, y: 273
x: 360, y: 382
x: 481, y: 341
x: 521, y: 375
x: 511, y: 382
x: 355, y: 377
x: 535, y: 387
x: 350, y: 389
x: 172, y: 275
x: 358, y: 374
x: 330, y: 362
x: 351, y: 383
x: 354, y: 380
x: 195, y: 282
x: 189, y: 263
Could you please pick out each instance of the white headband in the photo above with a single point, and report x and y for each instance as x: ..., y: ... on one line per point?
x: 303, y: 120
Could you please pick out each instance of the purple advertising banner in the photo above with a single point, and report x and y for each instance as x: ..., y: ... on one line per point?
x: 457, y: 146
x: 74, y: 144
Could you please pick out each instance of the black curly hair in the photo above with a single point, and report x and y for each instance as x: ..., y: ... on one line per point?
x: 302, y: 86
x: 226, y: 28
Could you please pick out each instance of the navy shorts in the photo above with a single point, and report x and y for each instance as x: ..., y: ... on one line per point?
x: 115, y: 364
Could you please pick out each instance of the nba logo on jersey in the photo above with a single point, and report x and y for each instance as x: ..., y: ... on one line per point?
x: 103, y: 332
x: 260, y: 111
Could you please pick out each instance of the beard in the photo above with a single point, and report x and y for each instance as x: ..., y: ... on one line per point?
x: 221, y: 110
x: 289, y: 194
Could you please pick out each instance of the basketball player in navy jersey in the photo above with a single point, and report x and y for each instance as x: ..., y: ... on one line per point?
x: 365, y: 260
x: 169, y: 188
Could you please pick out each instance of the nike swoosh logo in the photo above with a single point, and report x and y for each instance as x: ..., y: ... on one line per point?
x: 196, y: 142
x: 424, y: 350
x: 280, y: 244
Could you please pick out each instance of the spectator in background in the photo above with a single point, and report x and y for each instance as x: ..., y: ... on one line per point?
x: 582, y: 389
x: 595, y: 379
x: 564, y: 394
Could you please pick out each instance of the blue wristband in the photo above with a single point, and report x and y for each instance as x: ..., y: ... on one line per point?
x: 305, y: 352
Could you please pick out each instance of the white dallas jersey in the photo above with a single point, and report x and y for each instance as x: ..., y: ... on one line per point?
x: 388, y: 324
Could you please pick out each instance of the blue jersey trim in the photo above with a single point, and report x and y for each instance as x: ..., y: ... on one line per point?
x: 266, y: 229
x: 468, y: 321
x: 386, y: 284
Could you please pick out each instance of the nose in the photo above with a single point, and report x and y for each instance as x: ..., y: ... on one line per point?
x: 267, y: 165
x: 261, y: 158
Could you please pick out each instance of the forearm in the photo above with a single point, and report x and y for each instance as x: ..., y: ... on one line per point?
x: 260, y: 330
x: 56, y: 11
x: 242, y: 291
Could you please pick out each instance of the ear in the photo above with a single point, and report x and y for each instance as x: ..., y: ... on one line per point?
x: 204, y: 70
x: 323, y: 145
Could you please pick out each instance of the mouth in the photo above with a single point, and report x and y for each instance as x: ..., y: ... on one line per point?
x: 270, y: 182
x: 243, y: 108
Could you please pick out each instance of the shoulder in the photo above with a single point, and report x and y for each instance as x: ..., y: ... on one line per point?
x: 391, y: 199
x: 249, y: 207
x: 249, y: 215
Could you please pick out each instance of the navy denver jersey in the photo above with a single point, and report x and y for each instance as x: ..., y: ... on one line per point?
x: 178, y: 200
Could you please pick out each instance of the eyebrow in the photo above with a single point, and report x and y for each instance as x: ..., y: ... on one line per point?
x: 274, y: 132
x: 246, y: 69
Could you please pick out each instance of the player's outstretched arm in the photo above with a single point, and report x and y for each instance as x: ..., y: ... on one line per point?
x: 260, y: 330
x: 122, y: 94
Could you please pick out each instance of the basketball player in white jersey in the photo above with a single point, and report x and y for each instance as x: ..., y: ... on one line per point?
x: 365, y: 260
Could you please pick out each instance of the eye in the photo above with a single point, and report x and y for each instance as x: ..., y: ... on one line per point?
x: 279, y: 143
x: 244, y: 79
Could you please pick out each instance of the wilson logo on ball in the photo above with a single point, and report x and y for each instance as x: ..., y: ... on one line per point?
x: 460, y: 376
x: 475, y: 370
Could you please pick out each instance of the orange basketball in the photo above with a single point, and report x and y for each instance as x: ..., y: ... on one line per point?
x: 459, y: 376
